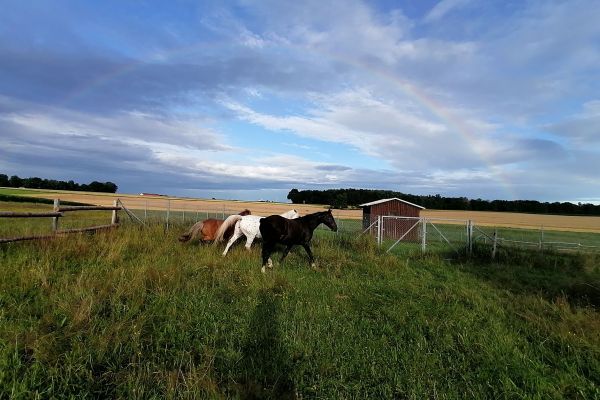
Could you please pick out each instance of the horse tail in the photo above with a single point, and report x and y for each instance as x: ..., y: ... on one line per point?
x: 230, y: 221
x: 192, y: 233
x: 185, y: 237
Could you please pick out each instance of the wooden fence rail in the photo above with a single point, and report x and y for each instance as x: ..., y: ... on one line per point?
x: 88, y: 208
x: 55, y: 215
x: 14, y: 214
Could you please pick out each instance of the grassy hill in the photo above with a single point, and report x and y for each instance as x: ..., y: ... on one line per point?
x: 135, y: 314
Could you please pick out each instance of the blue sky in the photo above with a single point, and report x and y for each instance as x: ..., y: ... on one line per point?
x: 247, y: 100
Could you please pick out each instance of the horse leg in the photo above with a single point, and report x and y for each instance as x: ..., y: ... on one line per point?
x: 236, y: 234
x: 311, y: 259
x: 249, y: 239
x: 285, y: 252
x: 267, y: 249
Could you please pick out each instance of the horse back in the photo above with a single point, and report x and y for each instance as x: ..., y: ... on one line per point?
x: 273, y: 227
x: 279, y: 229
x: 210, y: 228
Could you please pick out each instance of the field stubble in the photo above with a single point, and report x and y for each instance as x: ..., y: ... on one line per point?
x: 483, y: 218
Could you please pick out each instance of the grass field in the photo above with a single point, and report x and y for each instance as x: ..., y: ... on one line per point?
x: 133, y: 313
x: 15, y: 192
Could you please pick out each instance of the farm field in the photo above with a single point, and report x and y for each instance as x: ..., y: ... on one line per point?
x: 133, y: 313
x: 515, y: 220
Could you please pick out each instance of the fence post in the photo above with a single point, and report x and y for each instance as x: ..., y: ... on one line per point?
x: 146, y: 211
x: 115, y: 218
x: 55, y: 219
x: 542, y: 238
x: 470, y: 236
x: 494, y: 246
x: 424, y: 238
x: 168, y: 212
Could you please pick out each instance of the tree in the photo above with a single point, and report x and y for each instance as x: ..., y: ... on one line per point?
x: 15, y: 181
x: 293, y: 195
x: 4, y: 180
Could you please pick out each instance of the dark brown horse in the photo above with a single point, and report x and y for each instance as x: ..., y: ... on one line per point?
x: 290, y: 232
x: 207, y: 229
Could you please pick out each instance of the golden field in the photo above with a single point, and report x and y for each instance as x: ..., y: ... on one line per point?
x: 499, y: 219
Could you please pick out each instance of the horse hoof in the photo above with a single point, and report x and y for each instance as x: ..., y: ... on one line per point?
x: 313, y: 265
x: 263, y: 270
x: 270, y: 263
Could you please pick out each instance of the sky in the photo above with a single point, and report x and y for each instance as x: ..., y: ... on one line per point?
x: 249, y: 99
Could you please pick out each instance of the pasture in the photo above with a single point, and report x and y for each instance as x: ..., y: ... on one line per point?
x: 133, y: 313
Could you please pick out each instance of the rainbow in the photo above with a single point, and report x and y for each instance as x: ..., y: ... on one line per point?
x: 408, y: 89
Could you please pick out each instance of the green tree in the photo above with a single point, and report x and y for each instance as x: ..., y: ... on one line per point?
x: 4, y: 180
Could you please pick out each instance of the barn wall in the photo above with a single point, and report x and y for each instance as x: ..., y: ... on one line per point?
x: 395, y: 207
x: 393, y: 228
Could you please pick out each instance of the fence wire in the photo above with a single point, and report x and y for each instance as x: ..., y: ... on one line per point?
x: 395, y: 233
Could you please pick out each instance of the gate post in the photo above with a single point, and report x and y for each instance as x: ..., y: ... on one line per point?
x: 379, y: 230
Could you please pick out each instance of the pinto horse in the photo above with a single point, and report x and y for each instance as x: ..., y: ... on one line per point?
x: 245, y: 226
x: 207, y: 229
x: 290, y: 232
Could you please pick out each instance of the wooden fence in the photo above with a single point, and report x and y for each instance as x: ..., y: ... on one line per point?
x: 56, y: 214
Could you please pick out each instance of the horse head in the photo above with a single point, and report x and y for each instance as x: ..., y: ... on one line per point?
x: 328, y: 220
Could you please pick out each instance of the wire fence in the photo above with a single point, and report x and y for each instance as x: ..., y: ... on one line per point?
x: 397, y: 233
x: 394, y: 233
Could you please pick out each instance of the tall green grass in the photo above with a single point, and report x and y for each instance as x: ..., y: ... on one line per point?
x: 133, y: 313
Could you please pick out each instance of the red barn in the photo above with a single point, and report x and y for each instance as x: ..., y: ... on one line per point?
x: 392, y: 227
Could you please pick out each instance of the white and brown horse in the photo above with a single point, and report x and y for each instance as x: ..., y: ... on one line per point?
x: 207, y: 230
x: 247, y: 225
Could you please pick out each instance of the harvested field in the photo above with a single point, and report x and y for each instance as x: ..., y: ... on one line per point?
x: 499, y: 219
x: 522, y: 220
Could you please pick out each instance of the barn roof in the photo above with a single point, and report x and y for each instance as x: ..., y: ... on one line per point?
x: 386, y: 200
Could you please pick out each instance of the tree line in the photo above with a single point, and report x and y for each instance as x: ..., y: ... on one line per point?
x: 39, y: 183
x: 344, y: 198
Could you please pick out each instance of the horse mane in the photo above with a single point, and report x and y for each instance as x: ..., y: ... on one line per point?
x: 229, y: 221
x: 313, y: 215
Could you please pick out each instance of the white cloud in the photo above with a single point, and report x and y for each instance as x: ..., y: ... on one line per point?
x: 401, y: 132
x: 130, y: 126
x: 444, y: 7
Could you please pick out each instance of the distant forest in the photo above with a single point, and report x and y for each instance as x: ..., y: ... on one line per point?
x: 344, y: 198
x: 39, y: 183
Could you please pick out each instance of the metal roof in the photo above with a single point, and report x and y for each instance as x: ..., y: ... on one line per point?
x: 385, y: 200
